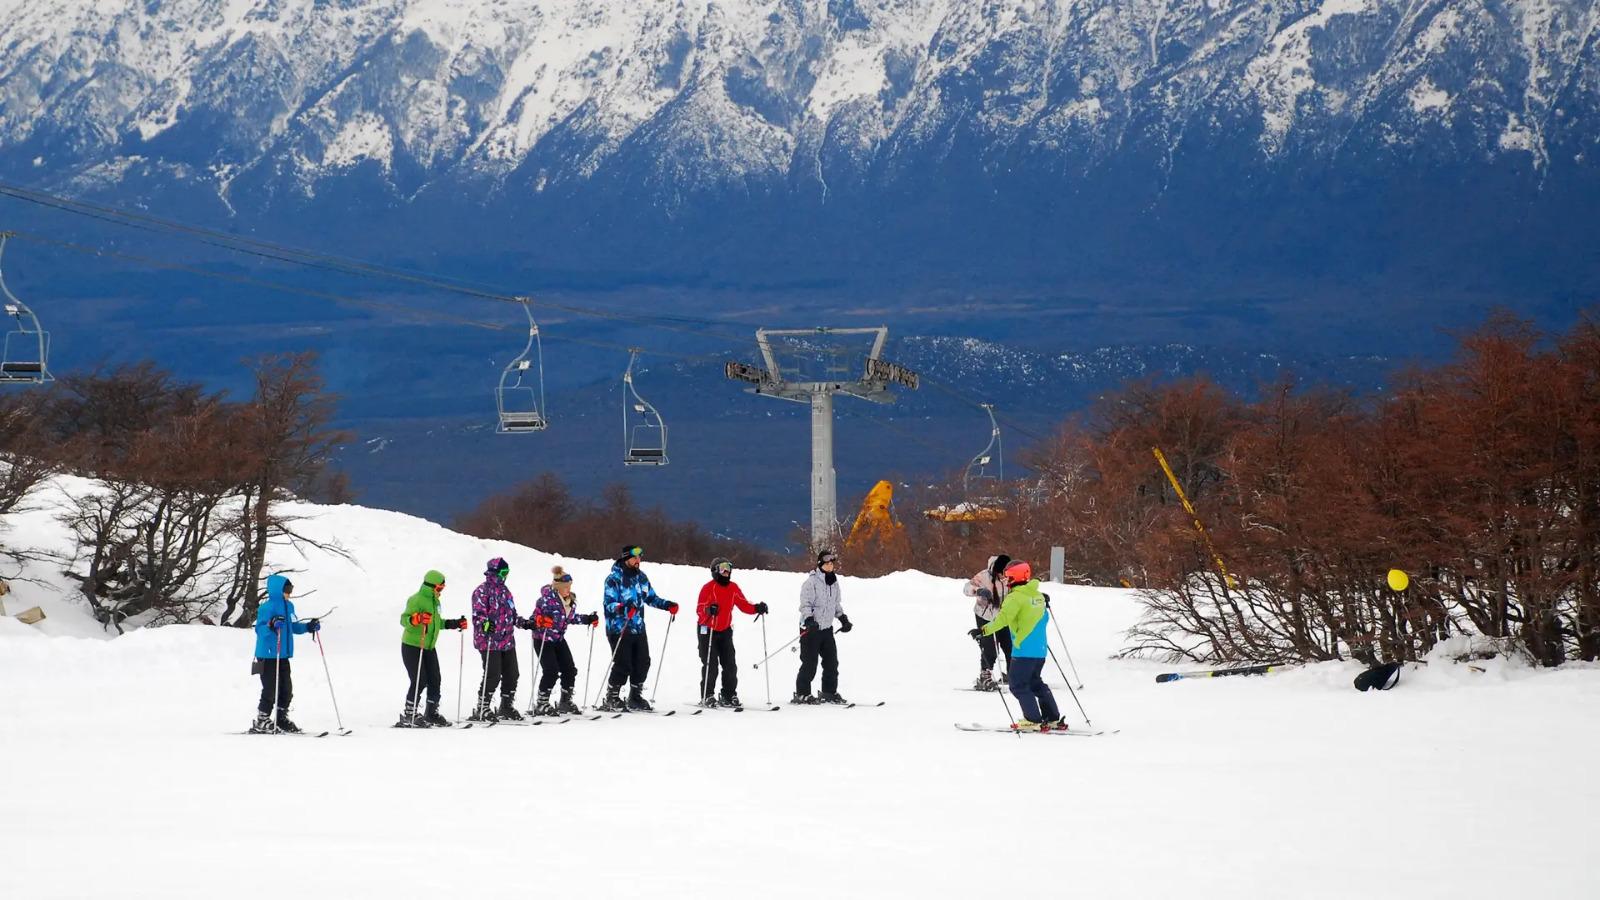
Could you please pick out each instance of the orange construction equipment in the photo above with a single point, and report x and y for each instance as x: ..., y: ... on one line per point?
x: 875, y: 522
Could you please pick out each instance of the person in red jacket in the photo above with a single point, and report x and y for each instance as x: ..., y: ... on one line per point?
x: 715, y: 610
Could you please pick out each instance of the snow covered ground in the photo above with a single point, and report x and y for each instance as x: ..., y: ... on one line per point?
x: 122, y: 779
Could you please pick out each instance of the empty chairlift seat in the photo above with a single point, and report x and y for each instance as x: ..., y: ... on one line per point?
x: 519, y: 398
x: 27, y: 346
x: 644, y: 434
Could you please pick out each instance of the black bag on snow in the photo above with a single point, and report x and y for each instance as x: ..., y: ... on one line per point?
x: 1379, y: 678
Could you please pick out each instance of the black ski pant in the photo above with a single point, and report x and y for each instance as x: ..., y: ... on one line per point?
x: 1033, y: 695
x: 986, y: 645
x: 813, y: 645
x: 275, y: 686
x: 631, y: 659
x: 499, y: 671
x: 716, y: 652
x: 555, y: 663
x: 421, y: 665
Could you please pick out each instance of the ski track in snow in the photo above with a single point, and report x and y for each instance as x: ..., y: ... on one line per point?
x: 124, y: 780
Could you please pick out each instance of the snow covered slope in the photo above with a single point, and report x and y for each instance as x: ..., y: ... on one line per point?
x: 123, y: 781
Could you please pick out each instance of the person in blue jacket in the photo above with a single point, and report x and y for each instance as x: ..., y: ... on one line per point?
x: 276, y: 627
x: 627, y: 593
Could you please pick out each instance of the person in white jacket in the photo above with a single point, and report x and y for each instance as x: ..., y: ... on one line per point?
x: 819, y: 607
x: 988, y: 588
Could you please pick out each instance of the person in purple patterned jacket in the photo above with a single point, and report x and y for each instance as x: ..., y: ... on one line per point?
x: 494, y: 636
x: 556, y: 610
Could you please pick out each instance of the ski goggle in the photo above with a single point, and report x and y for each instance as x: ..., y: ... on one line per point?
x: 562, y: 578
x: 828, y: 558
x: 724, y: 568
x: 636, y: 552
x: 439, y: 586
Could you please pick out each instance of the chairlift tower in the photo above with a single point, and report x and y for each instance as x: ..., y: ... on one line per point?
x: 877, y: 374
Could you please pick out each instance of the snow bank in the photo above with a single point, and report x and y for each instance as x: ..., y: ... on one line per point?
x: 125, y: 781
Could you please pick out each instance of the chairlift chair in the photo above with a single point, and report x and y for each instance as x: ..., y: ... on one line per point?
x: 27, y: 346
x: 644, y: 434
x: 988, y: 468
x: 520, y: 395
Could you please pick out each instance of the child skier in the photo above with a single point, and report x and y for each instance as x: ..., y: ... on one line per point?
x: 275, y: 630
x: 1025, y: 613
x: 627, y: 593
x: 417, y: 649
x: 714, y: 611
x: 554, y: 612
x: 989, y: 590
x: 494, y: 636
x: 819, y: 606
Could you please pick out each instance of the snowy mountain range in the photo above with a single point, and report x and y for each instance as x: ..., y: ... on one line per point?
x: 1104, y: 145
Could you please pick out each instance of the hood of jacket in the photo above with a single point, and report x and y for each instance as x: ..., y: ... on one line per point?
x: 275, y: 583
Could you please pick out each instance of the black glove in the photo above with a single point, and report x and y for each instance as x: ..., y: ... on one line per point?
x: 810, y: 624
x: 461, y: 623
x: 275, y: 622
x: 1046, y: 599
x: 986, y: 594
x: 313, y: 626
x: 976, y: 634
x: 761, y: 609
x: 590, y: 618
x: 711, y: 611
x: 844, y: 624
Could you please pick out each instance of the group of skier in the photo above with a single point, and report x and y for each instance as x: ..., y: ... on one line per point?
x: 494, y: 622
x: 1012, y: 612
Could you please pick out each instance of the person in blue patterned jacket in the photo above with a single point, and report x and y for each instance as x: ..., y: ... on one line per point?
x: 628, y: 592
x: 494, y: 636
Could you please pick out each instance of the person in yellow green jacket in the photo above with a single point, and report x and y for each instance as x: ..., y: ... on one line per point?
x: 1026, y: 613
x: 422, y: 625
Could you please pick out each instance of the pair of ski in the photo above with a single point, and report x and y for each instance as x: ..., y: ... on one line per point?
x: 862, y: 705
x: 340, y: 732
x: 699, y: 708
x: 1060, y: 732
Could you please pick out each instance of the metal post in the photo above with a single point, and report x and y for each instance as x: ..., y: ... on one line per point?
x: 824, y: 493
x: 1058, y: 564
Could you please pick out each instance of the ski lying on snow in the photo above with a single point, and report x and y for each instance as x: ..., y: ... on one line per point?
x: 1007, y: 729
x: 862, y: 705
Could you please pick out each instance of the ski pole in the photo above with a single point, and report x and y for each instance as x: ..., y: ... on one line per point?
x: 461, y: 668
x: 416, y: 675
x: 587, y: 663
x: 606, y: 680
x: 328, y: 676
x: 780, y: 649
x: 1064, y: 649
x: 768, y: 672
x: 538, y: 667
x: 705, y: 667
x: 663, y: 663
x: 1074, y: 693
x: 277, y: 676
x: 1007, y: 705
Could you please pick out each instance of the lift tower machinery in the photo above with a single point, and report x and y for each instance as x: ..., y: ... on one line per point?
x: 877, y: 374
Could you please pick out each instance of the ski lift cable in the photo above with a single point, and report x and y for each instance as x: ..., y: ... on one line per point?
x: 313, y: 293
x: 295, y: 256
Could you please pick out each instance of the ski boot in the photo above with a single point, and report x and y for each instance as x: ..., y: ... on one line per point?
x: 482, y: 713
x: 543, y: 707
x: 434, y: 720
x: 613, y: 701
x: 985, y: 682
x: 283, y: 724
x: 566, y: 707
x: 832, y: 697
x: 1058, y: 725
x: 410, y: 718
x: 1027, y: 725
x: 800, y: 699
x: 508, y: 709
x: 709, y: 701
x: 637, y: 702
x: 263, y: 724
x: 729, y: 698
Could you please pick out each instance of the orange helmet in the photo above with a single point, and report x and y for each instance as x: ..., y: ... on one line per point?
x: 1019, y: 572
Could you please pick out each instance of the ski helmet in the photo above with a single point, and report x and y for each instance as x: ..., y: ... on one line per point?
x: 1019, y: 572
x: 497, y: 566
x: 718, y: 564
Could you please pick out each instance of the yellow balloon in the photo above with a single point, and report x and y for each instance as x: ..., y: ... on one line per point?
x: 1398, y: 580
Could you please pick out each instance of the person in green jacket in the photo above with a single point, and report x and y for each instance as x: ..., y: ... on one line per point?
x: 1026, y: 612
x: 422, y: 625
